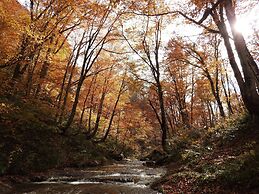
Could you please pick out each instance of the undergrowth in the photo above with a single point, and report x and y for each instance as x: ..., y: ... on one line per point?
x: 223, y: 159
x: 30, y: 142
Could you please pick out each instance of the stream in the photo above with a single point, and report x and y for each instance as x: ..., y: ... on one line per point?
x: 126, y: 177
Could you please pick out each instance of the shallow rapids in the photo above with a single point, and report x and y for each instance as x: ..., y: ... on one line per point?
x: 126, y: 177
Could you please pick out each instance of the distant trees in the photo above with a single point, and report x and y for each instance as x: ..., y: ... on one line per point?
x: 207, y: 60
x: 193, y: 67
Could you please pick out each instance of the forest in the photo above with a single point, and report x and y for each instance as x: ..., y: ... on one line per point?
x: 88, y: 83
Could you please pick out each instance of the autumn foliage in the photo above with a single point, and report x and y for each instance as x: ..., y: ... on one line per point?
x: 110, y: 73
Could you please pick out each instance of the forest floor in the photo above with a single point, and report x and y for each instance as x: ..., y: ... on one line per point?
x: 223, y: 160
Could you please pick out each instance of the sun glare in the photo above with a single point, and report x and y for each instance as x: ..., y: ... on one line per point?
x: 242, y: 26
x: 246, y: 23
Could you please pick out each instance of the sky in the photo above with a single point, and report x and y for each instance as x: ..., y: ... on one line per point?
x: 22, y: 1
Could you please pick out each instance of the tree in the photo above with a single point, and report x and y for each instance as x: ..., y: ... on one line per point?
x: 149, y: 52
x: 178, y: 85
x: 202, y: 59
x: 43, y: 39
x: 98, y: 27
x: 122, y: 89
x: 248, y: 77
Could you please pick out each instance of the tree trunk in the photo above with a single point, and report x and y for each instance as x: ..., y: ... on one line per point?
x: 113, y: 113
x: 250, y: 69
x: 164, y: 126
x: 73, y: 111
x: 63, y: 107
x: 216, y: 95
x: 86, y: 97
x: 44, y: 70
x: 59, y: 98
x: 100, y: 108
x: 226, y: 92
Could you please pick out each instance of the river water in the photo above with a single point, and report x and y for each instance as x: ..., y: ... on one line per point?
x: 126, y: 177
